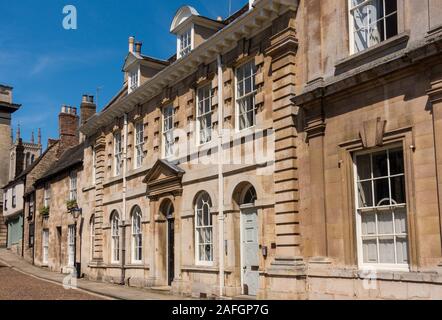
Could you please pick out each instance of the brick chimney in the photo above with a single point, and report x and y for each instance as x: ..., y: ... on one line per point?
x: 87, y: 108
x: 68, y: 122
x: 19, y: 157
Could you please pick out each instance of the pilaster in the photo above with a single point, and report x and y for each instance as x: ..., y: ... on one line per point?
x: 435, y: 97
x: 283, y: 50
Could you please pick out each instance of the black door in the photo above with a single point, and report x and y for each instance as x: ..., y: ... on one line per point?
x: 170, y: 250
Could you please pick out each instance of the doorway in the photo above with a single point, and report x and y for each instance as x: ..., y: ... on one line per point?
x: 249, y: 251
x: 167, y: 210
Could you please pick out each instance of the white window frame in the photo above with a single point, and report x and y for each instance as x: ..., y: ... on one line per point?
x: 118, y: 153
x: 5, y: 197
x: 137, y: 236
x: 200, y: 116
x: 73, y: 177
x: 45, y: 246
x: 71, y: 245
x: 359, y: 211
x: 352, y: 30
x: 14, y: 197
x: 134, y: 79
x: 115, y: 238
x: 47, y: 195
x: 245, y: 96
x: 205, y: 200
x: 139, y: 144
x: 184, y: 51
x: 31, y: 205
x: 168, y: 146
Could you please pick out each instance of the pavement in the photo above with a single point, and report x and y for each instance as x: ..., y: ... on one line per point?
x: 15, y: 272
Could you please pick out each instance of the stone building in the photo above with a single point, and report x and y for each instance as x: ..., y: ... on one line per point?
x: 170, y: 211
x: 58, y: 193
x: 7, y: 108
x: 291, y: 151
x: 22, y: 158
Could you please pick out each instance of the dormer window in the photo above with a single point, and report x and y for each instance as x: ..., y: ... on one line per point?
x: 134, y: 80
x: 185, y: 43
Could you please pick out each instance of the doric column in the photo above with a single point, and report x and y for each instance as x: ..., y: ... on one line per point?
x: 435, y: 95
x: 283, y: 51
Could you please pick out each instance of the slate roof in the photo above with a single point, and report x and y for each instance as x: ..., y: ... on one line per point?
x: 69, y: 159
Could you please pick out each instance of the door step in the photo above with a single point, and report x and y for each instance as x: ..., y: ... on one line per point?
x: 162, y: 288
x: 244, y: 297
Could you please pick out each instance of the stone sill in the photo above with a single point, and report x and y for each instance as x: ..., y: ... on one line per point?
x: 210, y: 269
x: 382, y: 49
x: 425, y: 277
x: 89, y: 188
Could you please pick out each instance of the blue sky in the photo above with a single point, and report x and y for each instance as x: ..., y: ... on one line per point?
x: 49, y: 66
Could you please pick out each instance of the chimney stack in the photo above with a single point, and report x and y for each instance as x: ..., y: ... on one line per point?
x: 87, y: 108
x: 138, y: 46
x: 68, y: 122
x: 131, y: 44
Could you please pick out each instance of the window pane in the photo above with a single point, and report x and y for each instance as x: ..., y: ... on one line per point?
x: 380, y: 167
x: 390, y: 6
x: 392, y: 26
x: 381, y: 192
x: 402, y: 250
x: 396, y: 162
x: 370, y: 251
x: 386, y: 250
x: 368, y: 223
x: 400, y: 218
x: 365, y: 194
x: 398, y: 190
x: 385, y: 223
x: 363, y: 165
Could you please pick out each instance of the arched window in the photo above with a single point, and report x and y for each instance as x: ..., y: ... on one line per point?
x: 137, y: 238
x: 249, y: 196
x: 92, y: 235
x: 203, y: 230
x: 115, y: 231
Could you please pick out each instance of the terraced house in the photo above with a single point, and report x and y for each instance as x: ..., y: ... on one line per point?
x: 292, y: 150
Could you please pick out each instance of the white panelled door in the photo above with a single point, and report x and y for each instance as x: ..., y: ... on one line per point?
x: 250, y: 251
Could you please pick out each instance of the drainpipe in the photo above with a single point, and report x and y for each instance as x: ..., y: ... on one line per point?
x: 220, y: 176
x: 123, y: 221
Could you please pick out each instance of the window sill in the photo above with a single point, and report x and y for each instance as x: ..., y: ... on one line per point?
x: 371, y: 54
x: 199, y: 268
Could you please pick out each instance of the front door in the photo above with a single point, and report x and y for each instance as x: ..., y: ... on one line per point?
x: 250, y: 251
x: 170, y: 250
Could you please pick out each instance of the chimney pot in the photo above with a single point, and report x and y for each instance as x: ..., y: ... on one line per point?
x: 219, y: 18
x: 91, y: 99
x: 85, y: 98
x: 138, y: 47
x: 131, y: 44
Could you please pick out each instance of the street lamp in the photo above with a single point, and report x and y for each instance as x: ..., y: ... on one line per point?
x: 76, y: 212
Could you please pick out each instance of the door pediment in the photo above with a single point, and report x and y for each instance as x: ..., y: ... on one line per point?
x: 164, y: 178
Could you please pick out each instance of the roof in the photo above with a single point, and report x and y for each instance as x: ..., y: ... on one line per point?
x: 69, y: 159
x: 242, y: 24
